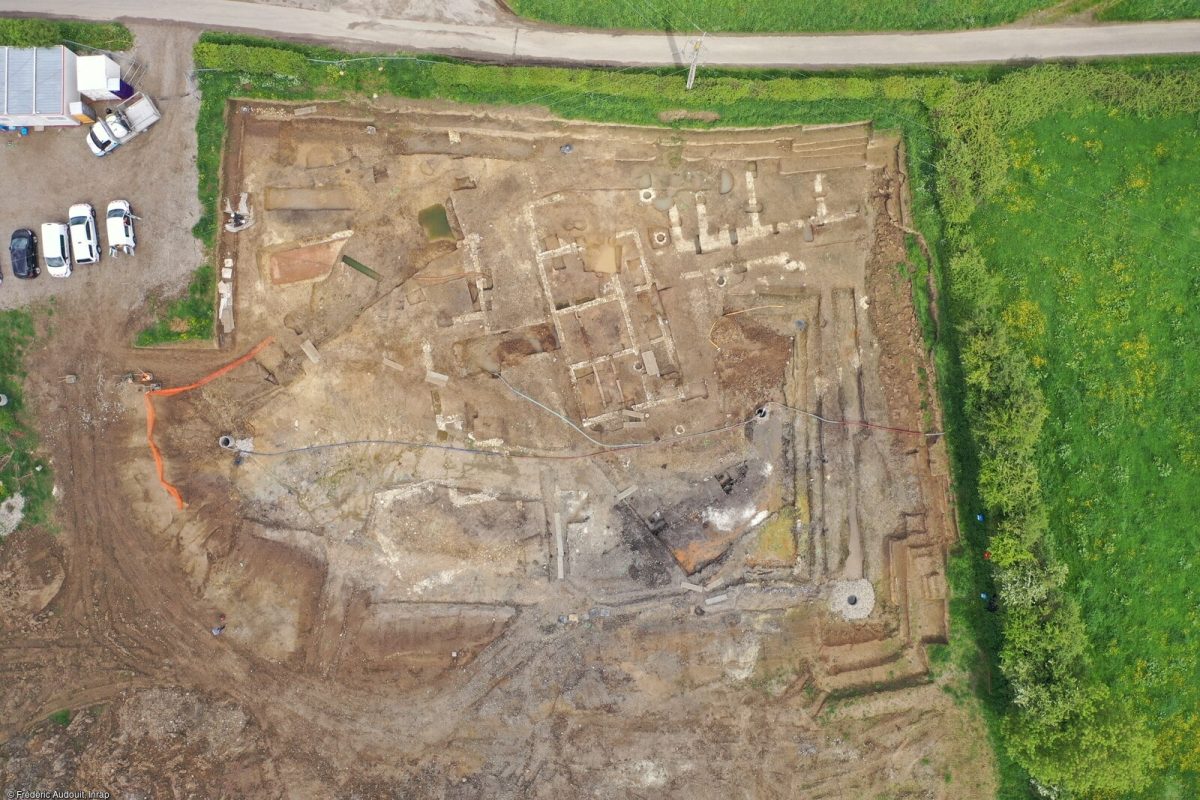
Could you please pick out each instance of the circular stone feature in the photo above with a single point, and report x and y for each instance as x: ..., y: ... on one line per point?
x: 852, y: 599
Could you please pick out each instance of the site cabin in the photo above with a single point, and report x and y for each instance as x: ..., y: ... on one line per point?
x: 45, y: 87
x: 122, y: 123
x: 39, y: 88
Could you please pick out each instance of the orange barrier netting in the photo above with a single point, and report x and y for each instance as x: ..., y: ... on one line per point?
x: 154, y: 451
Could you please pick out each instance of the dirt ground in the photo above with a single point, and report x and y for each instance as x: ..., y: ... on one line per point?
x: 580, y: 533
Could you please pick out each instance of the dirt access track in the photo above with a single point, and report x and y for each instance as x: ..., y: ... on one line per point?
x: 555, y: 498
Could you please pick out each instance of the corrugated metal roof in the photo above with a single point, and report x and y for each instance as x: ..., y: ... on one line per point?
x: 49, y: 81
x: 31, y: 80
x: 21, y: 67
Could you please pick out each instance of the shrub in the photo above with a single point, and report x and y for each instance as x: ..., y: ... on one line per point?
x: 1082, y: 738
x: 255, y: 60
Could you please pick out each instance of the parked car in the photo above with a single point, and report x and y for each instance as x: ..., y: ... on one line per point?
x: 107, y: 134
x: 55, y: 249
x: 85, y: 242
x: 119, y: 224
x: 22, y: 249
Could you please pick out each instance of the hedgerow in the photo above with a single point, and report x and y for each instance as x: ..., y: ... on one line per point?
x: 256, y: 60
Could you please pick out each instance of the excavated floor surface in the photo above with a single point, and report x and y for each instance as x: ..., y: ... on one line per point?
x: 575, y: 502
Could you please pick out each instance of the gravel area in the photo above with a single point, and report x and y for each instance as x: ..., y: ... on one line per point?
x: 43, y: 173
x: 852, y: 599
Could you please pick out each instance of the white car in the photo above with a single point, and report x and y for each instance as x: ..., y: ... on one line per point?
x: 106, y: 134
x: 119, y: 226
x: 85, y: 242
x: 55, y: 249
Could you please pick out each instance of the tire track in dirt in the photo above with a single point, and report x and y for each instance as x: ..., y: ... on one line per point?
x: 119, y: 619
x: 129, y: 621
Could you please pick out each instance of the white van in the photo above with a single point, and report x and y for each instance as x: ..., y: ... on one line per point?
x: 85, y: 242
x: 119, y: 225
x: 55, y: 250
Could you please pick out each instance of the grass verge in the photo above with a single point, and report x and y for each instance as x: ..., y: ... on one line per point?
x: 22, y: 473
x: 778, y: 15
x: 1150, y: 10
x: 77, y: 35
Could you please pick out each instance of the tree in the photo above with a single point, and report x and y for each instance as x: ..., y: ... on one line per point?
x: 1093, y: 745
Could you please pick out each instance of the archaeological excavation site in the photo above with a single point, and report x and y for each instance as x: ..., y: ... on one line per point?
x: 572, y: 460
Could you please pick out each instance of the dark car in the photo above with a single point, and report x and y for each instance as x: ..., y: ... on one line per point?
x: 23, y: 250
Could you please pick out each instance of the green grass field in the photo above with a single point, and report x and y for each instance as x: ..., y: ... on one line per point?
x: 763, y: 16
x: 1097, y: 239
x: 21, y: 471
x: 1150, y: 9
x: 778, y: 15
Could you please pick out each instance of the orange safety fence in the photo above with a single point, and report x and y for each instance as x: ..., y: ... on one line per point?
x: 154, y: 451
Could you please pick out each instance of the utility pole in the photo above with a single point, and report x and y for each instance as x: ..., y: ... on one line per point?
x: 696, y: 45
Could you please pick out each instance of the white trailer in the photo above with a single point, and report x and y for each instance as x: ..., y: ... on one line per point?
x: 122, y: 123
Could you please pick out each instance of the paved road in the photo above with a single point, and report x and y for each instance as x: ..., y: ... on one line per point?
x: 527, y: 43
